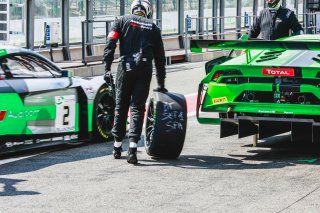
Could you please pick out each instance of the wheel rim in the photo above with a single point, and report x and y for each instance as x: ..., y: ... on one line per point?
x: 105, y: 115
x: 150, y: 125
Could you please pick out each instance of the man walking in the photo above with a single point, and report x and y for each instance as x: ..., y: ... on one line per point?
x: 140, y: 43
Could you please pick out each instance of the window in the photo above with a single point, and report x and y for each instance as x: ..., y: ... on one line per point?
x: 170, y: 16
x: 77, y: 15
x: 300, y: 10
x: 191, y: 10
x: 106, y: 9
x: 260, y: 6
x: 247, y: 8
x: 17, y: 24
x: 48, y: 11
x: 207, y: 13
x: 25, y: 67
x: 230, y: 13
x: 290, y: 5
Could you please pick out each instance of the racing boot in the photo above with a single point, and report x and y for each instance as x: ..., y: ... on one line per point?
x: 117, y: 152
x: 117, y: 149
x: 132, y: 156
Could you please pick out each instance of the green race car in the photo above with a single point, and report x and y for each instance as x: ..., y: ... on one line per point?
x: 271, y: 89
x: 40, y: 104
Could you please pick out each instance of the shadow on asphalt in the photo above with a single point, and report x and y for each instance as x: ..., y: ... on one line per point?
x: 277, y: 152
x: 10, y: 190
x: 271, y: 154
x: 42, y: 159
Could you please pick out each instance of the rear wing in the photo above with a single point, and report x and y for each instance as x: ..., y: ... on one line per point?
x: 196, y: 46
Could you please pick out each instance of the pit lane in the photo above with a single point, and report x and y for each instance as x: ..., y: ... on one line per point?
x: 212, y: 174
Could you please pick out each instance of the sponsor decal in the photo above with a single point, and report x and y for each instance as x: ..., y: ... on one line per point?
x: 267, y: 111
x: 290, y: 113
x: 23, y: 114
x: 220, y: 100
x: 278, y: 71
x: 11, y: 144
x: 74, y: 137
x: 43, y: 140
x: 2, y: 115
x: 140, y: 24
x: 113, y: 35
x: 65, y: 113
x: 135, y: 25
x: 67, y: 138
x: 57, y: 139
x: 37, y: 141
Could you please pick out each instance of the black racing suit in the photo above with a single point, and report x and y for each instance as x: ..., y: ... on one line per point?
x: 140, y: 43
x: 274, y: 24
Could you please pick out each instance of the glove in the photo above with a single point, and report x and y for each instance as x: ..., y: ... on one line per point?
x: 108, y: 77
x: 161, y: 89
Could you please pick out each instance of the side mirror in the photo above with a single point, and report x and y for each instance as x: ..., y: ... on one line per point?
x: 67, y: 73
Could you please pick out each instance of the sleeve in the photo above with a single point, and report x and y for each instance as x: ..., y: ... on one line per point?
x: 295, y: 26
x: 255, y: 29
x: 111, y: 44
x: 159, y: 56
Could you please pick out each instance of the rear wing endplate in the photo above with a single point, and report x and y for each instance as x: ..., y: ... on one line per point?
x: 197, y: 45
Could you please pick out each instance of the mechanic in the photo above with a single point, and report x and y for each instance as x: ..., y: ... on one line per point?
x: 275, y: 22
x: 140, y: 43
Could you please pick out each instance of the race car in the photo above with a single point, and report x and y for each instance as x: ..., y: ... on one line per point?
x: 271, y: 89
x: 40, y: 104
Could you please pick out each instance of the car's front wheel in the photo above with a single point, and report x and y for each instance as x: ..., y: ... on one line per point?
x: 103, y: 115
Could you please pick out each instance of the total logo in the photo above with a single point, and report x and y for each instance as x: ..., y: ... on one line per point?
x: 278, y: 71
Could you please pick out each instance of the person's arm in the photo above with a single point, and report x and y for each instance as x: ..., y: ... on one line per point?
x: 295, y: 26
x: 111, y: 44
x: 255, y: 29
x: 159, y: 59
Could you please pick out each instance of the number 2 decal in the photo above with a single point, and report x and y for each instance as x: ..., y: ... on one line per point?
x: 65, y: 113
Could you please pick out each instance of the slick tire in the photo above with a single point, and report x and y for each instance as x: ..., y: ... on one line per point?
x: 166, y: 125
x: 103, y: 115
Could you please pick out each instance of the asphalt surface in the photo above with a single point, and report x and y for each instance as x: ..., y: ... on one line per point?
x: 211, y: 175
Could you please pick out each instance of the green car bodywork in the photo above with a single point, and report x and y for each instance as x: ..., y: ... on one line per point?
x: 271, y: 89
x: 42, y: 104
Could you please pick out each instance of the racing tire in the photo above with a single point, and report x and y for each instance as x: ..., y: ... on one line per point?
x: 103, y: 115
x: 165, y: 126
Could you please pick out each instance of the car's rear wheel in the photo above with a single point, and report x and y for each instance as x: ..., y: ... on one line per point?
x: 166, y: 125
x: 103, y: 115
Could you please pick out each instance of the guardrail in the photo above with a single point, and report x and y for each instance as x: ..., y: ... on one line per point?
x: 220, y: 27
x: 94, y: 32
x: 215, y: 27
x: 90, y: 38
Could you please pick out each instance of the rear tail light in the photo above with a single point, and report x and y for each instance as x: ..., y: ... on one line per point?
x: 2, y: 115
x: 216, y: 76
x: 219, y: 73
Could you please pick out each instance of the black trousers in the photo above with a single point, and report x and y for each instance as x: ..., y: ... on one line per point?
x: 132, y: 90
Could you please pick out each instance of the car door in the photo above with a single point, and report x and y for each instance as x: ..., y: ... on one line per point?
x: 48, y: 105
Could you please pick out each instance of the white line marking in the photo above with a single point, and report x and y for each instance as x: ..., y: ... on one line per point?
x: 10, y: 160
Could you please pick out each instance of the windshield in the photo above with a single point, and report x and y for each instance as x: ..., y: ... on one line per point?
x: 26, y: 66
